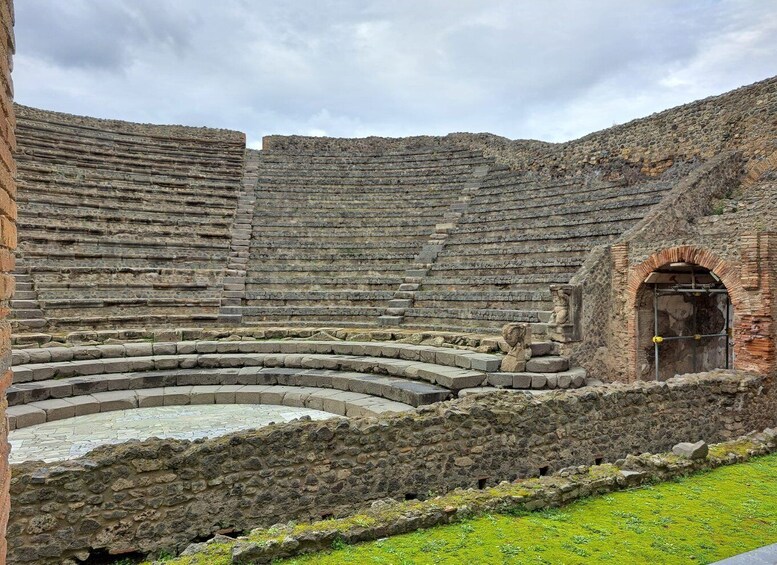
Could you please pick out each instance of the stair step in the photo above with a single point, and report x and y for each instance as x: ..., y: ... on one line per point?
x: 27, y: 313
x: 33, y: 323
x: 390, y: 320
x: 540, y: 348
x: 547, y: 364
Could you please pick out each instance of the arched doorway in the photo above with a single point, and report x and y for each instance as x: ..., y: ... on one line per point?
x: 684, y: 322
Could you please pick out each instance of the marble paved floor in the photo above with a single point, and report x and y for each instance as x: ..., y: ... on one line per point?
x: 67, y: 439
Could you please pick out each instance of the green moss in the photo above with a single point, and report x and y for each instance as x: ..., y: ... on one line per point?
x: 696, y: 519
x: 740, y: 448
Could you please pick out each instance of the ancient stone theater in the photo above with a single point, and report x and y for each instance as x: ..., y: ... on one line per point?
x: 440, y: 312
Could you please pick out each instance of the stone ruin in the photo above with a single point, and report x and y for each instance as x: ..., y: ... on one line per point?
x: 430, y: 291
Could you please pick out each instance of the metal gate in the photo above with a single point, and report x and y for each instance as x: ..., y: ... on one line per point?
x: 695, y: 291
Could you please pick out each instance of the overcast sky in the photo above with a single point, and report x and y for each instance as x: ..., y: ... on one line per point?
x: 543, y: 69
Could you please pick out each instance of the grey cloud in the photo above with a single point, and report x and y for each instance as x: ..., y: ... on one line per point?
x: 551, y: 70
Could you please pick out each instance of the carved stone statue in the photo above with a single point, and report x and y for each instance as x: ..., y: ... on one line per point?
x: 564, y: 322
x: 560, y: 314
x: 518, y: 338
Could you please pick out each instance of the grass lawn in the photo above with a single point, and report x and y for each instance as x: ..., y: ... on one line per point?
x: 698, y: 519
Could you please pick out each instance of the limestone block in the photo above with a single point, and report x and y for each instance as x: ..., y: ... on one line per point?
x: 116, y: 381
x: 203, y: 394
x: 177, y: 395
x: 22, y: 375
x: 698, y: 450
x: 297, y: 397
x: 548, y: 364
x: 164, y: 349
x: 563, y: 380
x: 226, y: 394
x: 41, y: 355
x: 186, y: 347
x: 60, y: 354
x: 117, y: 400
x: 24, y: 416
x: 88, y: 385
x: 522, y: 380
x: 56, y: 409
x: 500, y: 380
x: 138, y: 349
x: 151, y: 397
x: 83, y: 405
x: 538, y: 381
x: 165, y: 362
x: 251, y: 394
x: 44, y: 372
x: 483, y: 362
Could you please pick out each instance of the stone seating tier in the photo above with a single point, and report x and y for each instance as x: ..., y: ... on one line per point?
x: 522, y: 234
x: 402, y: 160
x: 58, y: 143
x: 334, y: 401
x: 60, y: 382
x: 456, y: 370
x: 105, y: 203
x: 73, y: 179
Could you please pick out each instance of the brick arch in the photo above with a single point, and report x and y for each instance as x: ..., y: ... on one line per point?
x: 727, y: 273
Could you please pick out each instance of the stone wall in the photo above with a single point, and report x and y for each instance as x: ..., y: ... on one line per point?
x: 607, y: 323
x: 162, y: 494
x: 7, y: 243
x: 121, y: 126
x: 742, y: 120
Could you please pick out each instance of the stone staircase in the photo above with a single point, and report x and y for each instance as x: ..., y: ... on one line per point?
x: 422, y: 263
x: 233, y: 296
x: 338, y: 236
x: 519, y: 234
x: 26, y: 313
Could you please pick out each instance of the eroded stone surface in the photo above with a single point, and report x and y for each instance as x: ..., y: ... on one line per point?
x: 66, y: 439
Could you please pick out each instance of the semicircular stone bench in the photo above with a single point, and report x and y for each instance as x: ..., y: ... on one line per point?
x: 344, y: 378
x: 371, y: 378
x: 337, y: 402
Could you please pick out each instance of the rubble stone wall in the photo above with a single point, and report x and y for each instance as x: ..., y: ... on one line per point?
x: 162, y: 494
x: 741, y: 120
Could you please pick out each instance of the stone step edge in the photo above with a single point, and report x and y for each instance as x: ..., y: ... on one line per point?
x: 337, y: 402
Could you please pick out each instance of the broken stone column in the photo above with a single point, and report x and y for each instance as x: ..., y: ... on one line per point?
x: 518, y: 338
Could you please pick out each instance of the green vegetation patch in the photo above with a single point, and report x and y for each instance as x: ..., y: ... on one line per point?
x: 697, y: 519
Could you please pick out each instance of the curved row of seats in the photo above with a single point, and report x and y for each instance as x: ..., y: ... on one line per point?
x: 52, y: 383
x: 120, y: 223
x: 516, y: 237
x: 131, y: 225
x: 333, y: 235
